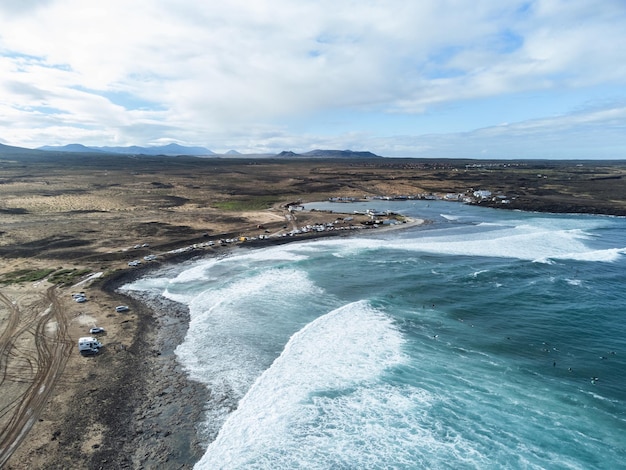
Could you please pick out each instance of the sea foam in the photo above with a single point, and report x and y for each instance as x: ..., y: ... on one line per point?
x: 314, y: 385
x: 536, y: 242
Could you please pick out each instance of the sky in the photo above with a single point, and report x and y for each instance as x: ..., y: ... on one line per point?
x: 400, y: 78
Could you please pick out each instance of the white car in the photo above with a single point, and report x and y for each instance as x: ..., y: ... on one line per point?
x: 122, y: 308
x: 96, y: 329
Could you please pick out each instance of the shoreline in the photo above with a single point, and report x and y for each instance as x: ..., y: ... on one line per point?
x: 164, y: 423
x: 168, y: 406
x: 133, y: 405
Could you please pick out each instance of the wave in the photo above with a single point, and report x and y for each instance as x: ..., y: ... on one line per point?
x: 334, y: 361
x: 241, y: 258
x: 354, y: 389
x: 450, y: 216
x: 523, y: 241
x: 238, y: 318
x: 609, y: 255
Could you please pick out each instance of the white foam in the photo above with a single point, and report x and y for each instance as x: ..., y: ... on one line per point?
x: 541, y: 242
x: 332, y: 356
x: 196, y: 272
x: 149, y: 284
x: 203, y: 270
x: 477, y: 273
x: 275, y: 253
x: 185, y: 285
x: 519, y: 242
x: 609, y: 255
x: 231, y: 321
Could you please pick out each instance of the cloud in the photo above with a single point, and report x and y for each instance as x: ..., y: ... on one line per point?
x: 17, y: 7
x: 580, y: 135
x: 122, y: 72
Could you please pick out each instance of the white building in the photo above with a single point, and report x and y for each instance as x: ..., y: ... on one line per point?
x: 482, y: 194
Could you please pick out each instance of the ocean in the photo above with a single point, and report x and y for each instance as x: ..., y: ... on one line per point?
x: 483, y: 339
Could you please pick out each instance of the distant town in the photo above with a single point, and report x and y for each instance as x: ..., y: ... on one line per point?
x: 469, y: 197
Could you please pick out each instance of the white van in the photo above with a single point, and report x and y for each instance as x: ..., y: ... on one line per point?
x: 89, y: 345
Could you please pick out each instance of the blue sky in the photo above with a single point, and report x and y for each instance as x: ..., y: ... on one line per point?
x: 428, y: 78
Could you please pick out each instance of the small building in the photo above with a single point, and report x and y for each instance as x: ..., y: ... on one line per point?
x: 482, y: 194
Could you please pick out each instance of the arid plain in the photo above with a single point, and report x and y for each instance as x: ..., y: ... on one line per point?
x: 73, y: 222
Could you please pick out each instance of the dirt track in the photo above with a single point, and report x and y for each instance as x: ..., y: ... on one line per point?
x: 34, y: 349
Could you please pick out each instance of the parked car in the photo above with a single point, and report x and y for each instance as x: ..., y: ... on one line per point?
x: 96, y: 329
x: 122, y: 308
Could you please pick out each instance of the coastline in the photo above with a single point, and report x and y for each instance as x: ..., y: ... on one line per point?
x: 74, y: 218
x: 132, y: 405
x: 165, y: 413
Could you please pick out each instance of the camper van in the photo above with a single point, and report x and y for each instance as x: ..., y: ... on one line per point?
x: 89, y: 345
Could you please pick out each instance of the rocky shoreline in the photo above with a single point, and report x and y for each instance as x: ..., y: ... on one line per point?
x: 155, y: 423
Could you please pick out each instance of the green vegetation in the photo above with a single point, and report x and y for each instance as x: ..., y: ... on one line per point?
x: 55, y: 276
x: 240, y: 205
x: 67, y: 277
x: 25, y: 275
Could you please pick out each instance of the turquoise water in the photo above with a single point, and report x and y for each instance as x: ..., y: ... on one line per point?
x: 487, y: 339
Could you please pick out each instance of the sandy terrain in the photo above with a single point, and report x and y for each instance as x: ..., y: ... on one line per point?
x: 79, y: 221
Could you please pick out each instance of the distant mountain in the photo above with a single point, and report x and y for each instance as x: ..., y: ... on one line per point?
x: 9, y: 149
x: 23, y: 154
x: 287, y: 153
x: 170, y: 149
x: 341, y: 154
x: 329, y: 154
x: 69, y: 148
x: 175, y: 149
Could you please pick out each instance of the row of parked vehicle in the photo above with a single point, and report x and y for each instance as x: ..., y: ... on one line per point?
x: 81, y: 297
x: 137, y: 262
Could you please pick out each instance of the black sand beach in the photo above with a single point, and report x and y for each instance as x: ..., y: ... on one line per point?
x: 155, y: 424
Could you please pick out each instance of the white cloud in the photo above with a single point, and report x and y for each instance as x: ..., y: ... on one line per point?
x: 204, y: 72
x: 580, y: 135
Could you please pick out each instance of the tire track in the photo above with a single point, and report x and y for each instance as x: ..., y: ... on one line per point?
x: 52, y: 350
x: 8, y: 334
